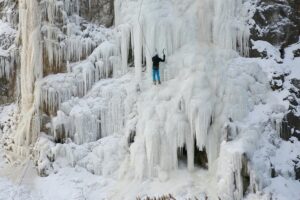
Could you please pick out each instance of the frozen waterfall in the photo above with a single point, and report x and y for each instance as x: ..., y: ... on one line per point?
x: 91, y: 93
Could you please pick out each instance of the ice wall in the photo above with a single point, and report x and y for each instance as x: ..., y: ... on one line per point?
x: 99, y: 114
x: 197, y: 37
x: 51, y: 39
x: 193, y: 112
x: 148, y: 29
x: 103, y: 63
x: 202, y: 77
x: 213, y: 30
x: 171, y: 24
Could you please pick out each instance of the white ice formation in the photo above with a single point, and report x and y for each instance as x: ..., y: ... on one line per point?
x: 204, y: 86
x: 8, y: 55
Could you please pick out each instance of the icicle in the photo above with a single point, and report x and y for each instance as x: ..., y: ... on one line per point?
x: 125, y: 45
x: 61, y: 46
x: 89, y: 119
x: 138, y: 46
x: 5, y: 67
x: 107, y: 61
x: 230, y: 180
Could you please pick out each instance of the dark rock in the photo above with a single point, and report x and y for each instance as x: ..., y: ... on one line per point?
x: 245, y: 174
x: 282, y: 52
x: 201, y: 158
x: 295, y: 92
x: 4, y: 87
x: 273, y: 171
x: 131, y: 137
x: 7, y: 90
x: 277, y: 81
x: 294, y: 103
x: 297, y: 168
x: 296, y: 83
x: 45, y: 120
x: 231, y: 130
x: 277, y: 22
x: 297, y: 173
x: 297, y: 53
x: 290, y: 126
x: 100, y: 12
x: 60, y: 136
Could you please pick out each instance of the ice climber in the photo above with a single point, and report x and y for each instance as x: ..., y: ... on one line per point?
x: 155, y: 69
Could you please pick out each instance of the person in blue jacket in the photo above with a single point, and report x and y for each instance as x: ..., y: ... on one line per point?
x: 155, y: 69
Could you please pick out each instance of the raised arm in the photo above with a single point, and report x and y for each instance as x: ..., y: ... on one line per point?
x: 163, y: 60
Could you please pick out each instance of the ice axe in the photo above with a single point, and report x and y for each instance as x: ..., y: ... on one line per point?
x: 164, y: 50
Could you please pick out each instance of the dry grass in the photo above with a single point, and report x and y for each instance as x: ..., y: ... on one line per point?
x: 164, y: 197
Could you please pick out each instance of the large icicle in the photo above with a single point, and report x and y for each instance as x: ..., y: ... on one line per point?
x: 31, y: 71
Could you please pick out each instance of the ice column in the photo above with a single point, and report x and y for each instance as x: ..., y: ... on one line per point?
x: 138, y: 46
x: 31, y: 70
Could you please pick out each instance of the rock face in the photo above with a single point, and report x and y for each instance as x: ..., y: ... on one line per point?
x: 72, y: 27
x: 297, y: 168
x: 98, y: 12
x: 9, y: 11
x: 277, y: 22
x: 291, y: 121
x: 290, y: 126
x: 277, y: 81
x: 6, y: 91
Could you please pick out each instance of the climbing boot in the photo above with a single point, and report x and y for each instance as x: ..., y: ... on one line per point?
x: 154, y: 82
x: 159, y: 82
